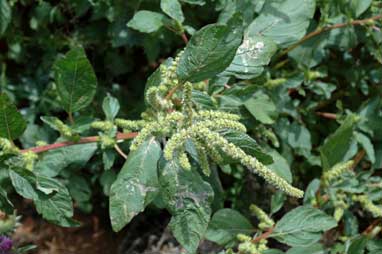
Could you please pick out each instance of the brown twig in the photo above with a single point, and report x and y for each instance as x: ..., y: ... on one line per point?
x: 265, y: 235
x: 184, y: 38
x: 358, y: 157
x: 370, y: 228
x: 327, y: 115
x: 326, y: 29
x: 84, y: 140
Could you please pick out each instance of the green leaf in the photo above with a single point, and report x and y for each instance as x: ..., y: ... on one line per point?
x: 173, y: 9
x: 359, y: 6
x: 106, y: 180
x: 5, y: 16
x: 280, y: 165
x: 225, y: 225
x: 75, y: 79
x: 248, y: 144
x: 277, y: 201
x: 53, y: 161
x: 210, y: 51
x: 262, y: 108
x: 312, y: 249
x: 81, y: 192
x: 56, y: 207
x: 5, y: 204
x: 284, y: 21
x: 357, y: 245
x: 147, y: 21
x: 253, y: 54
x: 22, y: 186
x: 12, y: 124
x: 188, y: 198
x: 366, y: 144
x: 337, y: 144
x: 302, y: 226
x: 136, y: 185
x: 110, y: 106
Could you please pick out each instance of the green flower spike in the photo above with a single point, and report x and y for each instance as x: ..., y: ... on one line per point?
x: 265, y: 220
x: 368, y: 205
x: 213, y: 139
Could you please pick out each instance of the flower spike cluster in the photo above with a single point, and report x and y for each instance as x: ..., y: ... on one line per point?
x: 185, y: 124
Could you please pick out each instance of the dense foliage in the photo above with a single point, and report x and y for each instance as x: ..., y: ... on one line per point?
x: 109, y: 104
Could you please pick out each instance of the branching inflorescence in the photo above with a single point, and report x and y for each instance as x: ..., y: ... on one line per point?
x: 201, y: 127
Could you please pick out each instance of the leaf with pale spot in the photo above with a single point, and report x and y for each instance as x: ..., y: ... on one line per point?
x: 136, y: 185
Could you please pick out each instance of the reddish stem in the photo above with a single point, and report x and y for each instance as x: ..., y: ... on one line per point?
x: 327, y: 115
x: 84, y: 140
x: 184, y: 38
x: 265, y: 235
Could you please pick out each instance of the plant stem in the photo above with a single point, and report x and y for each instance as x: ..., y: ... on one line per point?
x: 327, y: 115
x: 71, y: 119
x: 84, y: 140
x: 265, y: 235
x: 326, y: 29
x: 119, y: 150
x: 184, y: 38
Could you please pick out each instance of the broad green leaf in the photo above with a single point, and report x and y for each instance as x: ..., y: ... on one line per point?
x: 56, y: 207
x: 374, y: 246
x: 262, y: 108
x: 311, y: 52
x: 248, y: 144
x: 357, y: 245
x: 253, y: 54
x: 5, y: 16
x: 81, y: 192
x: 12, y: 124
x: 311, y: 190
x: 338, y: 143
x: 106, y: 180
x: 110, y: 106
x: 188, y: 198
x: 75, y: 79
x: 22, y: 186
x: 225, y: 225
x: 53, y: 161
x: 366, y: 144
x: 5, y: 204
x: 173, y: 9
x: 370, y: 122
x: 108, y: 158
x: 273, y: 251
x: 147, y: 21
x: 277, y: 201
x: 280, y: 165
x: 210, y: 51
x: 136, y: 185
x: 283, y: 21
x: 302, y: 226
x: 359, y: 6
x: 316, y: 248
